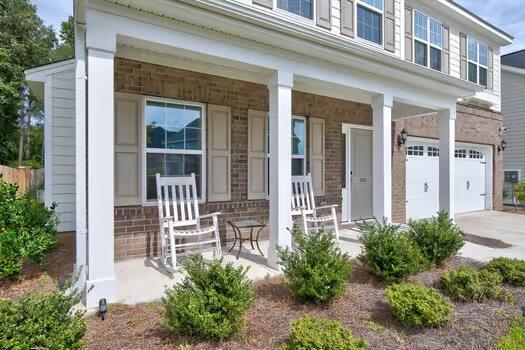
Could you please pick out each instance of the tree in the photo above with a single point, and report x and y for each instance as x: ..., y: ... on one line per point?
x: 66, y: 47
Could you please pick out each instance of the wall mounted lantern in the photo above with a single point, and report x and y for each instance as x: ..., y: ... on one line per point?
x: 502, y: 146
x: 402, y: 138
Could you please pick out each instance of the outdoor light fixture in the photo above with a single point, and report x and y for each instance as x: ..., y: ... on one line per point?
x: 102, y: 308
x: 502, y: 146
x: 402, y: 138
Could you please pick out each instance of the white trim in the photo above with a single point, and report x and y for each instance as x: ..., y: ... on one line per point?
x: 144, y: 150
x: 41, y: 72
x: 48, y: 140
x: 511, y: 69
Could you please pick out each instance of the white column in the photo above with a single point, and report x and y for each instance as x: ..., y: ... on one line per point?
x: 382, y: 157
x: 280, y: 88
x: 447, y: 130
x: 100, y: 127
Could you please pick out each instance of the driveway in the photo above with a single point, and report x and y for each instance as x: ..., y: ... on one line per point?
x: 495, y: 233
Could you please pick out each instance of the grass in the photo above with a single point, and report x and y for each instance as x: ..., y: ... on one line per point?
x: 515, y: 337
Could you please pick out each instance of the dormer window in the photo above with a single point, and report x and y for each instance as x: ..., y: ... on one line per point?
x: 428, y: 41
x: 478, y: 54
x: 303, y: 8
x: 370, y: 20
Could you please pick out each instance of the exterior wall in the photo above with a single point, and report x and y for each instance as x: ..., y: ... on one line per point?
x: 513, y: 108
x: 473, y: 125
x: 136, y: 227
x: 62, y: 148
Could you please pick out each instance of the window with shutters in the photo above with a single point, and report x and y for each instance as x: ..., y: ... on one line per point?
x: 370, y: 20
x: 478, y: 56
x: 303, y: 8
x: 174, y: 142
x: 428, y: 41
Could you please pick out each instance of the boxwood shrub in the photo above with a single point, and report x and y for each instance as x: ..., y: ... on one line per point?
x: 391, y: 254
x: 415, y: 305
x: 512, y: 271
x: 311, y: 333
x: 210, y: 302
x: 438, y: 238
x: 316, y: 270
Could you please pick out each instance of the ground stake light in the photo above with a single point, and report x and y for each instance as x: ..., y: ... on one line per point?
x: 102, y: 308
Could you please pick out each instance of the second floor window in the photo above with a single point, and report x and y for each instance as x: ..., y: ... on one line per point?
x: 428, y: 41
x: 477, y: 62
x: 301, y: 8
x: 370, y: 20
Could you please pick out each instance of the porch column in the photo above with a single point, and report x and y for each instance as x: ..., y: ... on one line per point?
x: 382, y: 157
x: 100, y: 193
x: 447, y: 129
x: 280, y: 88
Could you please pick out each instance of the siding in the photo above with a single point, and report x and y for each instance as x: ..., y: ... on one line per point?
x: 454, y: 53
x: 63, y: 148
x: 513, y: 108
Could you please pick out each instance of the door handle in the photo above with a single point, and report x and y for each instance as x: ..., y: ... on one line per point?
x: 426, y: 187
x: 468, y: 185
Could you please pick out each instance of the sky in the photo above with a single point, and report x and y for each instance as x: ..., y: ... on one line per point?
x: 508, y: 15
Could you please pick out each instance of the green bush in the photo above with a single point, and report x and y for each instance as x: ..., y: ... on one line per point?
x: 210, y: 302
x: 27, y: 230
x: 392, y: 255
x: 438, y: 238
x: 42, y: 321
x: 311, y: 333
x: 512, y: 271
x: 415, y: 305
x: 316, y: 270
x: 515, y: 337
x: 519, y: 191
x: 469, y: 284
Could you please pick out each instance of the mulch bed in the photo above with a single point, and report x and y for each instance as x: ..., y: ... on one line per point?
x: 363, y: 308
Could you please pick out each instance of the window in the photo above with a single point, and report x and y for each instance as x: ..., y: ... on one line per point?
x: 301, y: 8
x: 478, y: 57
x: 174, y: 142
x: 460, y: 153
x: 475, y: 154
x: 370, y: 20
x: 415, y: 151
x: 428, y: 41
x: 433, y: 151
x: 298, y: 146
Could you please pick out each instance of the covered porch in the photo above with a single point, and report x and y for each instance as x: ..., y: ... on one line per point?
x: 132, y: 60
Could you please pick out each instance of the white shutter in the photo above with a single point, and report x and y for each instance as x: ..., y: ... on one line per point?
x: 317, y: 151
x: 219, y: 153
x: 257, y: 154
x: 127, y: 166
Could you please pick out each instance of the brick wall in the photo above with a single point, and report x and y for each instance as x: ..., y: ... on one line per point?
x: 473, y: 125
x: 136, y: 228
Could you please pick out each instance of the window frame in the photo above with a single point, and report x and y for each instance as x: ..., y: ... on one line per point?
x: 478, y: 63
x: 380, y: 12
x: 287, y: 13
x: 426, y: 42
x: 145, y: 150
x: 303, y: 157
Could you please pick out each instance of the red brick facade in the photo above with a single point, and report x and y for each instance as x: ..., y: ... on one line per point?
x: 136, y: 228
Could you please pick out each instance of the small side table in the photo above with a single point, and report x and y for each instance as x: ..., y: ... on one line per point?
x: 244, y: 224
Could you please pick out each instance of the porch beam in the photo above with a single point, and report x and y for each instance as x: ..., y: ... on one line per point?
x: 382, y: 157
x: 280, y: 92
x: 100, y: 133
x: 447, y: 130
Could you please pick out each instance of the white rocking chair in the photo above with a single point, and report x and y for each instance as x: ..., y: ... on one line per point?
x: 179, y: 208
x: 303, y: 204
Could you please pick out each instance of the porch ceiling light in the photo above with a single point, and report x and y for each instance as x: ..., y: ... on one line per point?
x: 402, y: 138
x: 502, y: 146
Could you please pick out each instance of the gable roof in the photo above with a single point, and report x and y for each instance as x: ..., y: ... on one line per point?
x: 514, y: 59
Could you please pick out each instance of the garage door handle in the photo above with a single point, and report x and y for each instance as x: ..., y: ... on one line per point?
x: 468, y: 185
x: 426, y: 187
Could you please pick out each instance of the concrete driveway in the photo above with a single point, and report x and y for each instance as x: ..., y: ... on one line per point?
x: 495, y: 233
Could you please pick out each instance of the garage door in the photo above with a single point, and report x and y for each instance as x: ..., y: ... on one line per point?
x: 422, y: 179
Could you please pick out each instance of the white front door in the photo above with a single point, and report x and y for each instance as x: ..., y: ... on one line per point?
x: 357, y: 181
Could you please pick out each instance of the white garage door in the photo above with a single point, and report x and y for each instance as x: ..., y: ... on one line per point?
x: 422, y: 179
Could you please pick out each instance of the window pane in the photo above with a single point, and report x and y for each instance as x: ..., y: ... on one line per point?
x: 375, y: 3
x: 483, y: 76
x: 472, y: 72
x: 472, y: 50
x: 483, y: 55
x: 178, y: 119
x: 420, y: 51
x: 435, y: 59
x: 155, y: 125
x: 420, y: 26
x: 369, y: 25
x: 302, y: 8
x: 298, y: 136
x: 435, y: 32
x: 297, y: 167
x: 154, y: 165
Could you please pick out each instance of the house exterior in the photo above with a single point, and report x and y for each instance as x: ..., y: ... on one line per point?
x: 246, y: 94
x: 513, y: 107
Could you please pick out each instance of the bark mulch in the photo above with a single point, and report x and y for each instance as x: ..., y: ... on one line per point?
x: 363, y: 308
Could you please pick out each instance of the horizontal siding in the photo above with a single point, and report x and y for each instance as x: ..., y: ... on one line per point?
x: 513, y: 108
x: 454, y: 53
x: 63, y: 144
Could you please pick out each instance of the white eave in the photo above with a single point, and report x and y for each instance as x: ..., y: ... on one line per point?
x: 511, y: 69
x: 39, y: 74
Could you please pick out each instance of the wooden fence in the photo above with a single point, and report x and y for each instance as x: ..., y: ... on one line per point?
x: 25, y: 177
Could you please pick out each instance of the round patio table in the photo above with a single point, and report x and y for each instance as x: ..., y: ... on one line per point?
x: 237, y: 226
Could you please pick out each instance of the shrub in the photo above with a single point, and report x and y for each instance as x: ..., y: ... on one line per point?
x: 438, y: 238
x: 512, y: 271
x: 42, y: 321
x: 519, y: 191
x: 316, y: 270
x: 417, y: 306
x: 392, y: 255
x: 469, y: 284
x: 311, y: 333
x: 210, y: 302
x: 27, y: 230
x: 515, y: 337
